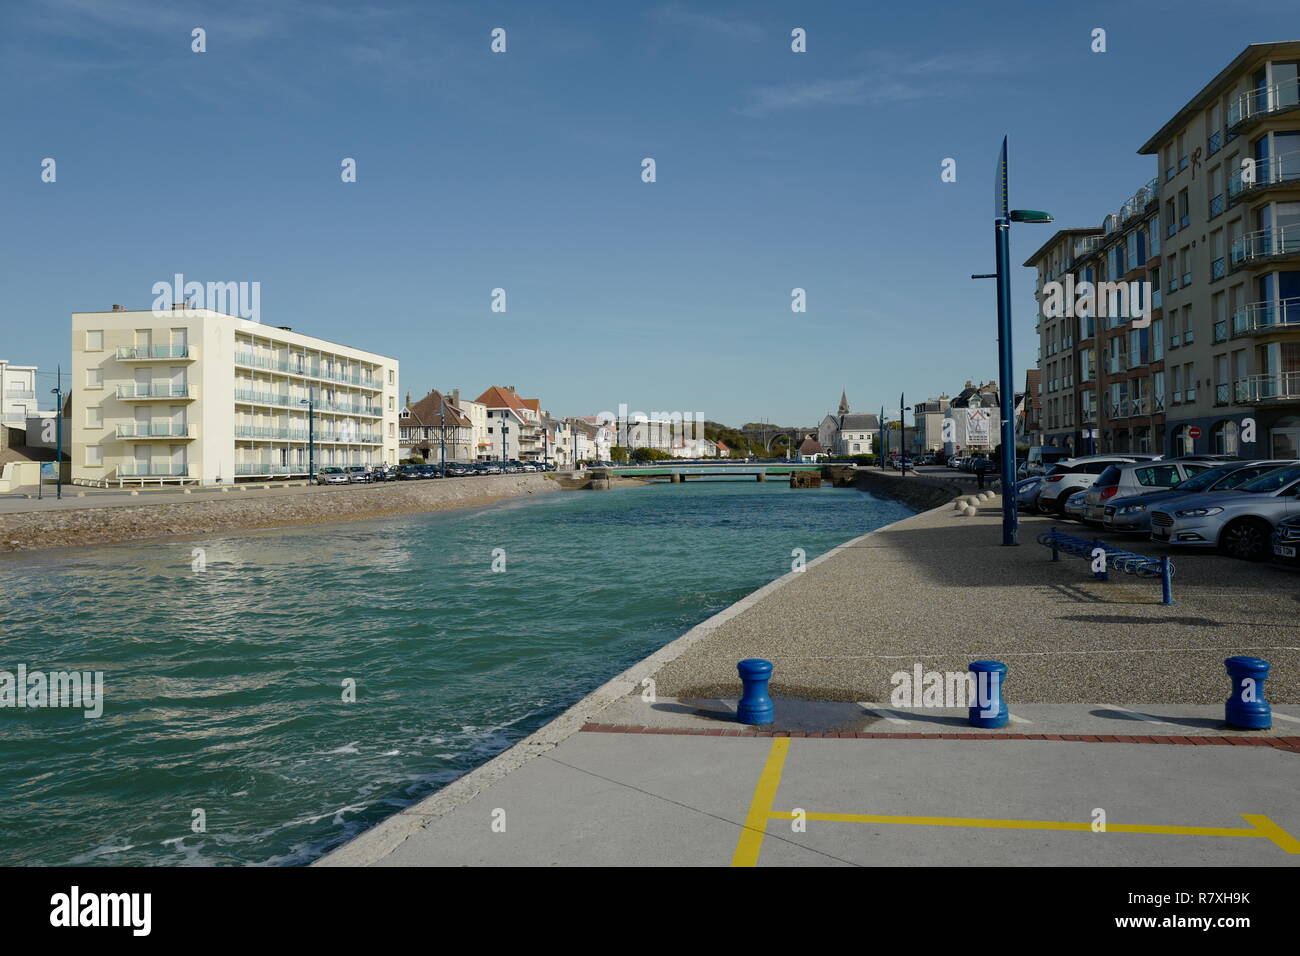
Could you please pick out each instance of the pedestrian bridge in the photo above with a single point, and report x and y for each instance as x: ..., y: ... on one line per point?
x: 742, y: 471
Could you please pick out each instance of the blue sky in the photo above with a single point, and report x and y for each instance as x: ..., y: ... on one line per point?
x: 522, y: 171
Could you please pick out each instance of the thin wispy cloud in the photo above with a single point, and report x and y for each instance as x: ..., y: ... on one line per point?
x: 675, y: 15
x: 888, y: 79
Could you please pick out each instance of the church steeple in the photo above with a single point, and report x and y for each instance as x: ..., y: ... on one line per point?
x: 844, y: 403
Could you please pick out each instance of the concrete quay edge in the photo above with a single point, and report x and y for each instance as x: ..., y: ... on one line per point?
x: 377, y: 842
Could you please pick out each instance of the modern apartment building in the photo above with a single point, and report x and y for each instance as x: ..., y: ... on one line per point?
x: 521, y: 419
x: 196, y: 396
x: 1217, y: 234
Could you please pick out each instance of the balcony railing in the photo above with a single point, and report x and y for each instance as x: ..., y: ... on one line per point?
x: 1266, y: 244
x: 167, y: 430
x: 1087, y: 246
x: 1273, y: 171
x: 1264, y: 101
x: 135, y: 470
x: 153, y: 391
x: 302, y: 435
x: 20, y: 394
x: 143, y: 353
x: 307, y: 371
x: 1257, y: 318
x: 1273, y: 387
x: 1135, y: 205
x: 286, y: 401
x: 269, y: 469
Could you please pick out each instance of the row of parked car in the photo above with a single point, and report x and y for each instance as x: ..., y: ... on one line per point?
x: 359, y: 474
x: 972, y: 465
x: 1245, y: 508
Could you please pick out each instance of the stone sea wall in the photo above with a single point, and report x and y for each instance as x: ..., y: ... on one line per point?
x: 215, y: 513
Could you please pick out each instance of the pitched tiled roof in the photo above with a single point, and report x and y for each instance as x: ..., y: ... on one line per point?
x: 498, y: 397
x: 860, y: 421
x: 426, y: 410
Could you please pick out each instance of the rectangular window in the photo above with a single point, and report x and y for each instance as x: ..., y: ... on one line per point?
x: 94, y: 456
x: 1184, y: 211
x: 94, y: 417
x: 94, y: 340
x: 94, y: 378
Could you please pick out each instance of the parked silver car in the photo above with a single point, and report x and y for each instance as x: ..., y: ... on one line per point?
x: 1133, y: 513
x: 1076, y: 505
x: 1077, y: 474
x: 1121, y: 481
x: 1239, y: 523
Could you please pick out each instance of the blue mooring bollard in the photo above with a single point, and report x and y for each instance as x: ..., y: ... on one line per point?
x: 1166, y: 582
x: 996, y: 713
x: 755, y: 706
x: 1247, y: 708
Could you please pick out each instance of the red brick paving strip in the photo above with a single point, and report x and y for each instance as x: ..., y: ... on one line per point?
x: 1280, y: 743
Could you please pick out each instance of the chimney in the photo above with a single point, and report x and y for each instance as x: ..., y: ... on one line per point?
x: 118, y: 308
x: 455, y: 397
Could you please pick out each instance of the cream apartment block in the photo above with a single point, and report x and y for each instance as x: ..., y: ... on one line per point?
x: 195, y: 396
x: 1217, y: 234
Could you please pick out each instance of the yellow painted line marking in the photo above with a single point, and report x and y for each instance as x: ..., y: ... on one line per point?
x: 1260, y: 826
x: 760, y: 808
x: 1271, y: 831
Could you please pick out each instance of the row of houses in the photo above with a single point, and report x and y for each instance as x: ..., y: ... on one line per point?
x: 198, y: 396
x: 966, y: 423
x: 1213, y: 366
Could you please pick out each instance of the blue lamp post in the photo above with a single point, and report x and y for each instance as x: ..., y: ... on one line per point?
x: 1003, y: 218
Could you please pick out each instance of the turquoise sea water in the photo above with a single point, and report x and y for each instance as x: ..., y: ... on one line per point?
x: 223, y: 689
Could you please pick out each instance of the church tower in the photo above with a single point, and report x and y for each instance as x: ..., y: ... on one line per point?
x: 844, y: 403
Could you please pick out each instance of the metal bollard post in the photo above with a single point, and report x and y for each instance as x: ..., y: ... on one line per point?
x: 989, y: 709
x: 1247, y: 708
x: 755, y: 705
x: 1056, y: 554
x: 1166, y: 583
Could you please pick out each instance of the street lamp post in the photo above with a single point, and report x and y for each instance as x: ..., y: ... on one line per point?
x: 882, y: 437
x: 58, y: 432
x: 504, y: 431
x: 311, y: 437
x: 1004, y: 216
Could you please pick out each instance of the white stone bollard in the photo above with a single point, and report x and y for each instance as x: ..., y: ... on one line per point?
x: 970, y: 512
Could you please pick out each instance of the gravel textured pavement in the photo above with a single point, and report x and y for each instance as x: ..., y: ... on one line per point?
x: 939, y: 589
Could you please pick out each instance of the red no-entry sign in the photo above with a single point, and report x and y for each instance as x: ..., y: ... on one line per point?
x: 1193, y: 432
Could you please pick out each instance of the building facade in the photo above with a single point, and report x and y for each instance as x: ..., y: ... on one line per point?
x: 847, y: 433
x: 19, y: 400
x: 435, y: 429
x: 1217, y: 236
x: 198, y: 396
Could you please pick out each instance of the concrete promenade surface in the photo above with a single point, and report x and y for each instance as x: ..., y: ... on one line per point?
x: 1117, y: 754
